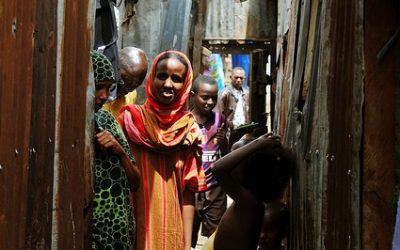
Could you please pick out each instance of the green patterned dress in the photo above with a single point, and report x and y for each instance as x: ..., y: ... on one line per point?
x: 113, y: 222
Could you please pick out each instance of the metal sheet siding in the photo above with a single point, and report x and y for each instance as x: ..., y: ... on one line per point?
x: 16, y: 71
x: 44, y: 129
x: 331, y: 111
x: 229, y: 20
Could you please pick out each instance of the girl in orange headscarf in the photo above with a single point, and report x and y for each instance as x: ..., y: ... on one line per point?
x: 165, y: 141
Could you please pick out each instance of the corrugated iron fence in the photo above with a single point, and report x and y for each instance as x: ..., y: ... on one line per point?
x: 45, y: 152
x: 337, y: 110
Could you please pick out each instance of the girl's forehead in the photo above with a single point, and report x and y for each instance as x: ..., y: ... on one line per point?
x: 170, y: 62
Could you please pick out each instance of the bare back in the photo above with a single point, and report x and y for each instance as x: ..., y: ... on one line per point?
x: 240, y: 226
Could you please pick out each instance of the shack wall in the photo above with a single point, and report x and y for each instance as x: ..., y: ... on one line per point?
x: 330, y: 111
x: 45, y: 99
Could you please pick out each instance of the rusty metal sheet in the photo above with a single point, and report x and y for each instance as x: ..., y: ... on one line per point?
x: 73, y: 161
x: 16, y: 46
x: 35, y: 132
x: 41, y: 161
x: 233, y: 20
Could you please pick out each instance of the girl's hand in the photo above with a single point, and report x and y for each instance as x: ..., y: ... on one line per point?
x: 106, y: 141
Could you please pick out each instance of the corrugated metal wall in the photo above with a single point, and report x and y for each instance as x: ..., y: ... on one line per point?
x: 45, y: 99
x: 230, y: 20
x: 330, y: 108
x: 155, y: 26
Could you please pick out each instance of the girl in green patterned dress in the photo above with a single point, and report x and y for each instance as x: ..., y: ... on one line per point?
x: 115, y: 171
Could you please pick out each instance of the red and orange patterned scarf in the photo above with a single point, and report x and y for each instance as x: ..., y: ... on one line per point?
x: 156, y: 125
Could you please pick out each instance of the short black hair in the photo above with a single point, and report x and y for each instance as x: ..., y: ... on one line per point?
x: 202, y: 79
x: 267, y: 175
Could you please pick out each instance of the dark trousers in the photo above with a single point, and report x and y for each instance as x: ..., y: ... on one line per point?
x: 210, y: 206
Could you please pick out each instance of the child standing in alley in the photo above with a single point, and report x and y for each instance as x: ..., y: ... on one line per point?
x: 210, y: 205
x: 251, y: 175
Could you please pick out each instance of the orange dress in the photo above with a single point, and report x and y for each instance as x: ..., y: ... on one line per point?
x: 166, y: 143
x: 158, y: 203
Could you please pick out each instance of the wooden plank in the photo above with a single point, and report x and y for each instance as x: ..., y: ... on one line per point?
x: 258, y: 85
x: 301, y: 44
x: 287, y: 70
x: 314, y: 12
x: 343, y: 186
x: 294, y: 126
x: 314, y: 182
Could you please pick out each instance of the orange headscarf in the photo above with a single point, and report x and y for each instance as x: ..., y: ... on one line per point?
x: 157, y: 125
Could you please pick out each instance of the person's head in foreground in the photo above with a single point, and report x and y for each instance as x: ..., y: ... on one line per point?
x: 266, y: 172
x: 268, y: 180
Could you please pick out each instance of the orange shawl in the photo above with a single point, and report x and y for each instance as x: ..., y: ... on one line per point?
x: 161, y: 127
x: 156, y: 125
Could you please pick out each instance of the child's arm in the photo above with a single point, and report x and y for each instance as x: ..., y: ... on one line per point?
x: 108, y: 142
x: 223, y: 167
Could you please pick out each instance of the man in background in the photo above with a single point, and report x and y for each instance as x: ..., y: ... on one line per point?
x: 233, y: 103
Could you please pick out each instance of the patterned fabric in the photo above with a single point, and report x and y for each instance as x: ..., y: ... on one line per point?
x: 113, y: 222
x: 102, y: 67
x: 211, y: 148
x: 165, y: 141
x: 159, y: 199
x: 115, y: 106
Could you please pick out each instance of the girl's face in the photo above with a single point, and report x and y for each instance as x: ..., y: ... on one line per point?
x: 102, y: 93
x: 168, y: 81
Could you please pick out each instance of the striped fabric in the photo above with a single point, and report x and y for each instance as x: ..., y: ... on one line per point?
x: 166, y: 143
x: 159, y: 198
